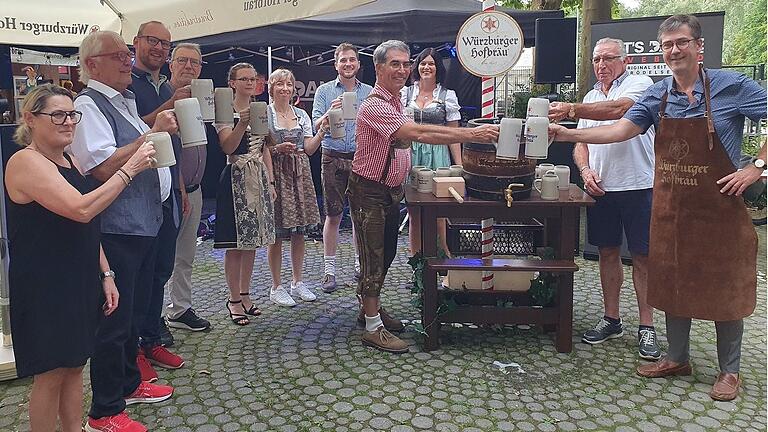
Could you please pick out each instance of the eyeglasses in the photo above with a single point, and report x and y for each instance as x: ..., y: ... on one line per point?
x: 185, y: 60
x: 246, y: 79
x: 153, y: 41
x: 681, y: 44
x: 605, y: 59
x: 121, y: 56
x: 400, y: 65
x: 60, y: 117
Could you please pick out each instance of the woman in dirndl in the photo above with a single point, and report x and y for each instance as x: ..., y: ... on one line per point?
x: 292, y: 142
x: 431, y: 103
x: 244, y: 201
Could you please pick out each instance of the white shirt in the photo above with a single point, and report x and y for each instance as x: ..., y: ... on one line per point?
x: 94, y: 140
x: 452, y: 106
x: 627, y: 165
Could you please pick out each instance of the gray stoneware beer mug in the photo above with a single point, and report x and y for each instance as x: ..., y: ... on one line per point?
x: 191, y: 126
x: 349, y: 105
x: 259, y: 122
x: 425, y: 180
x: 457, y: 170
x: 202, y: 90
x: 538, y: 107
x: 336, y: 121
x: 413, y: 176
x: 537, y: 138
x: 547, y: 186
x: 542, y: 168
x: 161, y: 141
x: 510, y: 132
x: 564, y: 175
x: 223, y: 105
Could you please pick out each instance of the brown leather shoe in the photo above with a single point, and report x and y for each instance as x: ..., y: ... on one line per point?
x: 383, y: 340
x: 390, y: 323
x: 664, y: 368
x: 726, y: 387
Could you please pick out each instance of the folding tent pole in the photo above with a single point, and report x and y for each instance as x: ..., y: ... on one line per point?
x: 269, y: 60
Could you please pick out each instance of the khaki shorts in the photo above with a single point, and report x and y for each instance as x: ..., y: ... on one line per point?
x: 375, y: 210
x: 334, y: 177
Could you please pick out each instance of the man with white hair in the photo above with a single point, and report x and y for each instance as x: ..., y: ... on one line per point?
x: 186, y: 64
x: 620, y: 178
x: 109, y: 134
x: 381, y: 162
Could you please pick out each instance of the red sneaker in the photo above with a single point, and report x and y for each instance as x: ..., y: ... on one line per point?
x: 160, y: 356
x: 116, y: 423
x: 149, y: 393
x: 146, y: 370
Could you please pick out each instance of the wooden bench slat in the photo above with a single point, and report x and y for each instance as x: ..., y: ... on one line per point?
x: 499, y: 264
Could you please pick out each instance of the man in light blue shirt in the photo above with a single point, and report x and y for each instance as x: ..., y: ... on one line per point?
x: 337, y: 153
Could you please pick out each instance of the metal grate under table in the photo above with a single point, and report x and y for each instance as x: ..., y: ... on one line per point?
x: 519, y: 237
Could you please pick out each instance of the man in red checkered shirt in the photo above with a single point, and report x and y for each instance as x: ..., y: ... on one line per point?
x: 381, y: 163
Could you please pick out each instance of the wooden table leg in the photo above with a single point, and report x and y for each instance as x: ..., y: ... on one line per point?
x: 567, y: 234
x: 429, y: 295
x: 563, y: 338
x: 429, y: 314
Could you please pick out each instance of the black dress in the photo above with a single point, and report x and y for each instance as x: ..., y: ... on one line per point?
x: 56, y: 294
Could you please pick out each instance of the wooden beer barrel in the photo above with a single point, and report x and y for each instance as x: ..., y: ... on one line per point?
x: 487, y: 177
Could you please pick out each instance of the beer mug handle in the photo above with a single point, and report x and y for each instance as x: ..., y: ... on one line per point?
x: 549, y: 171
x: 537, y: 185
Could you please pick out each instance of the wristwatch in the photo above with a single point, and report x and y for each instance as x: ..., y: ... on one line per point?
x: 759, y: 163
x: 107, y: 274
x: 572, y: 112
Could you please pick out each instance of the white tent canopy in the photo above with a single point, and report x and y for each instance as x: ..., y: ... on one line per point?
x: 66, y: 22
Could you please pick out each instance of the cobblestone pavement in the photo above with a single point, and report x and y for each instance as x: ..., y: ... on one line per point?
x: 304, y: 369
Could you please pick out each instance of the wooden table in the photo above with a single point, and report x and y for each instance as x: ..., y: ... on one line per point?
x: 561, y: 224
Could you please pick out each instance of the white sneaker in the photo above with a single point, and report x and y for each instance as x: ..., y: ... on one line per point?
x: 281, y: 297
x: 300, y: 289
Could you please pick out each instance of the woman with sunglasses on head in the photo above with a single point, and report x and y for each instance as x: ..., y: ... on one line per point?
x: 431, y: 103
x: 60, y: 280
x: 292, y: 141
x: 244, y: 202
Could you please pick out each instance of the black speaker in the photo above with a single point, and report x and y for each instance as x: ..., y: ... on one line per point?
x: 554, y: 55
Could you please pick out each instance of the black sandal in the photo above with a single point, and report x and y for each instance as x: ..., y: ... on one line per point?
x: 253, y: 310
x: 238, y: 319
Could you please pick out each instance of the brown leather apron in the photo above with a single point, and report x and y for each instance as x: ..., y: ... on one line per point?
x: 703, y: 246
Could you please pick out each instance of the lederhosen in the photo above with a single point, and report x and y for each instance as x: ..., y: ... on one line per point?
x: 375, y: 214
x: 703, y: 246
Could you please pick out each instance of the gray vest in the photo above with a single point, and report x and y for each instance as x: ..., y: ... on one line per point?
x: 137, y: 210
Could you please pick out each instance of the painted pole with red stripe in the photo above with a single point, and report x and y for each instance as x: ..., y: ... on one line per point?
x: 487, y: 111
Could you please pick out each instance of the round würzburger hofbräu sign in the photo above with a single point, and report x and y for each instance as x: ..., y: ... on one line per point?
x: 489, y: 43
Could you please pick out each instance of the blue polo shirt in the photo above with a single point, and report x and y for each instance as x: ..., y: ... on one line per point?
x: 324, y: 95
x: 733, y: 95
x: 149, y: 96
